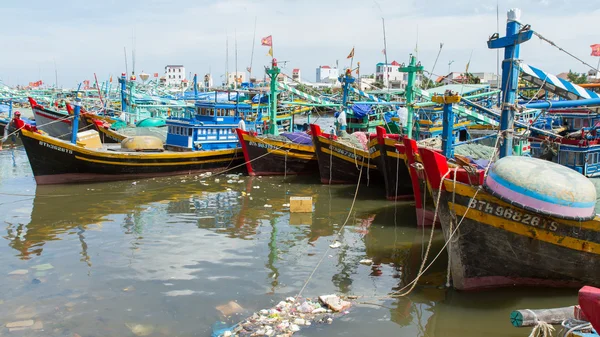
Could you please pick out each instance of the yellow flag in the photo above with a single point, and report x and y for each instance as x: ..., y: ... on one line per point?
x: 467, y: 68
x: 270, y: 52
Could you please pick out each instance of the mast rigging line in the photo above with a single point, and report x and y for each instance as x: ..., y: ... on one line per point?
x: 563, y: 50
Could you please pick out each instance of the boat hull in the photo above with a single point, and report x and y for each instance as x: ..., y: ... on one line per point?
x: 54, y: 161
x: 340, y: 164
x: 424, y: 206
x: 392, y: 165
x: 265, y: 157
x: 489, y: 251
x: 55, y: 124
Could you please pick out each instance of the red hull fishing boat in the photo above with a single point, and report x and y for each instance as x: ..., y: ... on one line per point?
x: 273, y: 157
x: 391, y: 162
x: 520, y: 220
x: 57, y: 124
x: 341, y: 164
x: 424, y: 206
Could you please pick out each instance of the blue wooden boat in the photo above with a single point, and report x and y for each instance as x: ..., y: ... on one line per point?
x: 579, y: 148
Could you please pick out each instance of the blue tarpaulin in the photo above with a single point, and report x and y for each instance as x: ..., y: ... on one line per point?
x: 361, y: 110
x: 260, y: 98
x: 298, y: 138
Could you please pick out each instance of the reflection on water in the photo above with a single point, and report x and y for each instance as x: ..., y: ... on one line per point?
x: 159, y: 255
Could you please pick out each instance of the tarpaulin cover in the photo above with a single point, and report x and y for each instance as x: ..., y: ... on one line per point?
x: 260, y: 98
x: 361, y: 110
x: 298, y: 138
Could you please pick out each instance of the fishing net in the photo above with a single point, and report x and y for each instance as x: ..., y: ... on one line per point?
x: 357, y: 140
x: 473, y: 150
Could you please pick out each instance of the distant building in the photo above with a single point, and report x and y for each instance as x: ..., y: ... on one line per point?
x: 487, y: 78
x: 296, y: 75
x: 326, y: 74
x: 236, y: 77
x: 174, y: 75
x: 206, y: 81
x: 389, y: 74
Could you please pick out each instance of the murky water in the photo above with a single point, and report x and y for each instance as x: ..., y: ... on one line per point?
x: 101, y: 259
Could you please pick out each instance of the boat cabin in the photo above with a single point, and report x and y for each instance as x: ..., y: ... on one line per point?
x: 211, y: 127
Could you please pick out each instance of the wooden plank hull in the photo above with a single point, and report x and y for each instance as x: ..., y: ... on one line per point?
x: 423, y: 201
x: 489, y: 251
x: 340, y: 164
x: 265, y: 157
x: 499, y: 244
x: 392, y: 165
x: 54, y: 161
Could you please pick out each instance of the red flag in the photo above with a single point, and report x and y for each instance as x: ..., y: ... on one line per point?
x: 267, y: 41
x: 383, y: 51
x: 351, y: 55
x: 595, y: 49
x: 155, y: 74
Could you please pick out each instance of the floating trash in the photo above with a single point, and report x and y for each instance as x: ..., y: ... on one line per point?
x: 366, y: 261
x: 42, y: 267
x: 336, y: 244
x: 286, y: 318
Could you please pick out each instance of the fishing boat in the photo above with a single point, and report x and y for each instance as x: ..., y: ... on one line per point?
x: 58, y: 124
x: 519, y: 220
x: 203, y: 142
x: 391, y: 162
x: 340, y: 163
x: 293, y: 153
x: 579, y: 148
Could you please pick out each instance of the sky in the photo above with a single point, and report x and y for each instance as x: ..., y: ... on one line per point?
x: 80, y: 38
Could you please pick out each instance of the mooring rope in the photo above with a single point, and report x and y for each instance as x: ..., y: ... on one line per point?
x: 336, y: 236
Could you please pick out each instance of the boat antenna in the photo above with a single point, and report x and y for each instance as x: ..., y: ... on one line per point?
x: 125, y: 52
x: 227, y: 59
x: 462, y: 87
x: 498, y: 50
x: 417, y: 44
x: 252, y: 54
x: 133, y: 52
x: 385, y: 55
x: 236, y: 63
x: 434, y: 64
x: 55, y: 75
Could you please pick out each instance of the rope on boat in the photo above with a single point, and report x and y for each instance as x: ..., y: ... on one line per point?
x: 52, y: 122
x: 564, y: 51
x: 337, y: 234
x: 541, y: 328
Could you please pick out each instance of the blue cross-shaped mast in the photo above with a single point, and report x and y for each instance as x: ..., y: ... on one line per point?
x: 510, y: 73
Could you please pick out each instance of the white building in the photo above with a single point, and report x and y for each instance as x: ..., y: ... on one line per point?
x: 487, y: 78
x: 326, y: 74
x: 174, y: 75
x: 206, y: 81
x: 296, y: 75
x: 389, y: 74
x: 236, y: 77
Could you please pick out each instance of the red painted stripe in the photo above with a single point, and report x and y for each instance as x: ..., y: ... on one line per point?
x: 43, y: 114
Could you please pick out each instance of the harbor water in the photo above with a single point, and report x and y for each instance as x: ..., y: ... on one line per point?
x: 156, y: 257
